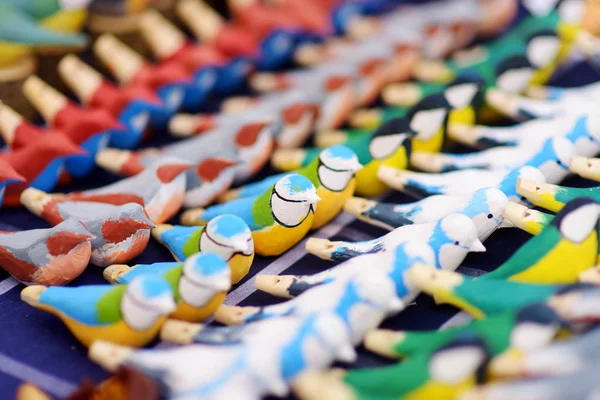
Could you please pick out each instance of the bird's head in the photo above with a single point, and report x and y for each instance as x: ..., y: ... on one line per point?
x: 146, y: 298
x: 514, y: 74
x: 432, y: 280
x: 535, y: 325
x: 465, y: 91
x: 577, y: 219
x: 453, y: 237
x: 378, y: 290
x: 203, y: 275
x: 463, y: 358
x: 293, y: 198
x: 336, y: 336
x: 389, y: 138
x: 337, y: 166
x: 486, y: 209
x: 227, y: 235
x: 554, y: 158
x: 577, y: 303
x: 429, y: 118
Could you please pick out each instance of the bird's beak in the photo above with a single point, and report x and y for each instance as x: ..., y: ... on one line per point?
x: 166, y: 304
x: 245, y: 246
x: 477, y: 247
x: 313, y: 197
x: 357, y: 166
x: 346, y: 353
x: 396, y: 304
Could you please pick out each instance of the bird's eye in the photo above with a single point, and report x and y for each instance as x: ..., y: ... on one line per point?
x: 490, y: 216
x: 457, y: 243
x: 559, y: 162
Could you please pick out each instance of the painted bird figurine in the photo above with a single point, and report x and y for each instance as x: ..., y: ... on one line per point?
x: 471, y: 296
x: 579, y: 385
x: 393, y: 263
x: 530, y: 327
x: 121, y: 232
x: 40, y: 164
x: 586, y: 167
x: 89, y: 129
x: 564, y: 357
x: 199, y: 284
x: 442, y: 374
x: 226, y: 235
x: 279, y: 218
x: 562, y: 250
x: 362, y: 302
x: 457, y: 227
x: 554, y: 197
x: 485, y: 206
x: 249, y: 368
x: 159, y: 189
x: 48, y: 257
x: 8, y: 176
x: 332, y: 173
x: 384, y: 147
x: 125, y: 314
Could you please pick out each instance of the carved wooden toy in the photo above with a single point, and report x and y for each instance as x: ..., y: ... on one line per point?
x: 563, y: 249
x: 279, y: 218
x: 185, y: 333
x: 226, y: 235
x: 49, y: 257
x: 159, y: 189
x: 578, y: 385
x: 170, y: 46
x: 445, y: 373
x: 527, y: 219
x: 554, y: 93
x: 136, y: 107
x: 485, y: 206
x: 332, y: 174
x: 297, y: 112
x: 394, y: 263
x: 511, y: 156
x: 199, y: 284
x: 471, y: 295
x: 521, y: 108
x: 529, y: 327
x: 90, y: 129
x: 456, y: 226
x: 173, y: 83
x: 247, y: 141
x: 524, y: 134
x: 586, y: 167
x: 254, y: 335
x: 126, y: 314
x: 251, y: 368
x: 528, y: 54
x: 373, y: 298
x: 8, y: 176
x: 268, y: 50
x: 383, y: 147
x: 553, y: 197
x: 567, y: 356
x: 551, y: 161
x: 121, y: 232
x: 39, y: 163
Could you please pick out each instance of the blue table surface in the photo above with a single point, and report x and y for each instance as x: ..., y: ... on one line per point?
x: 35, y: 346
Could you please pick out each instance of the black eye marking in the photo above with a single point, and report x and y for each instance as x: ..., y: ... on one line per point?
x: 457, y: 243
x: 559, y: 162
x: 490, y: 216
